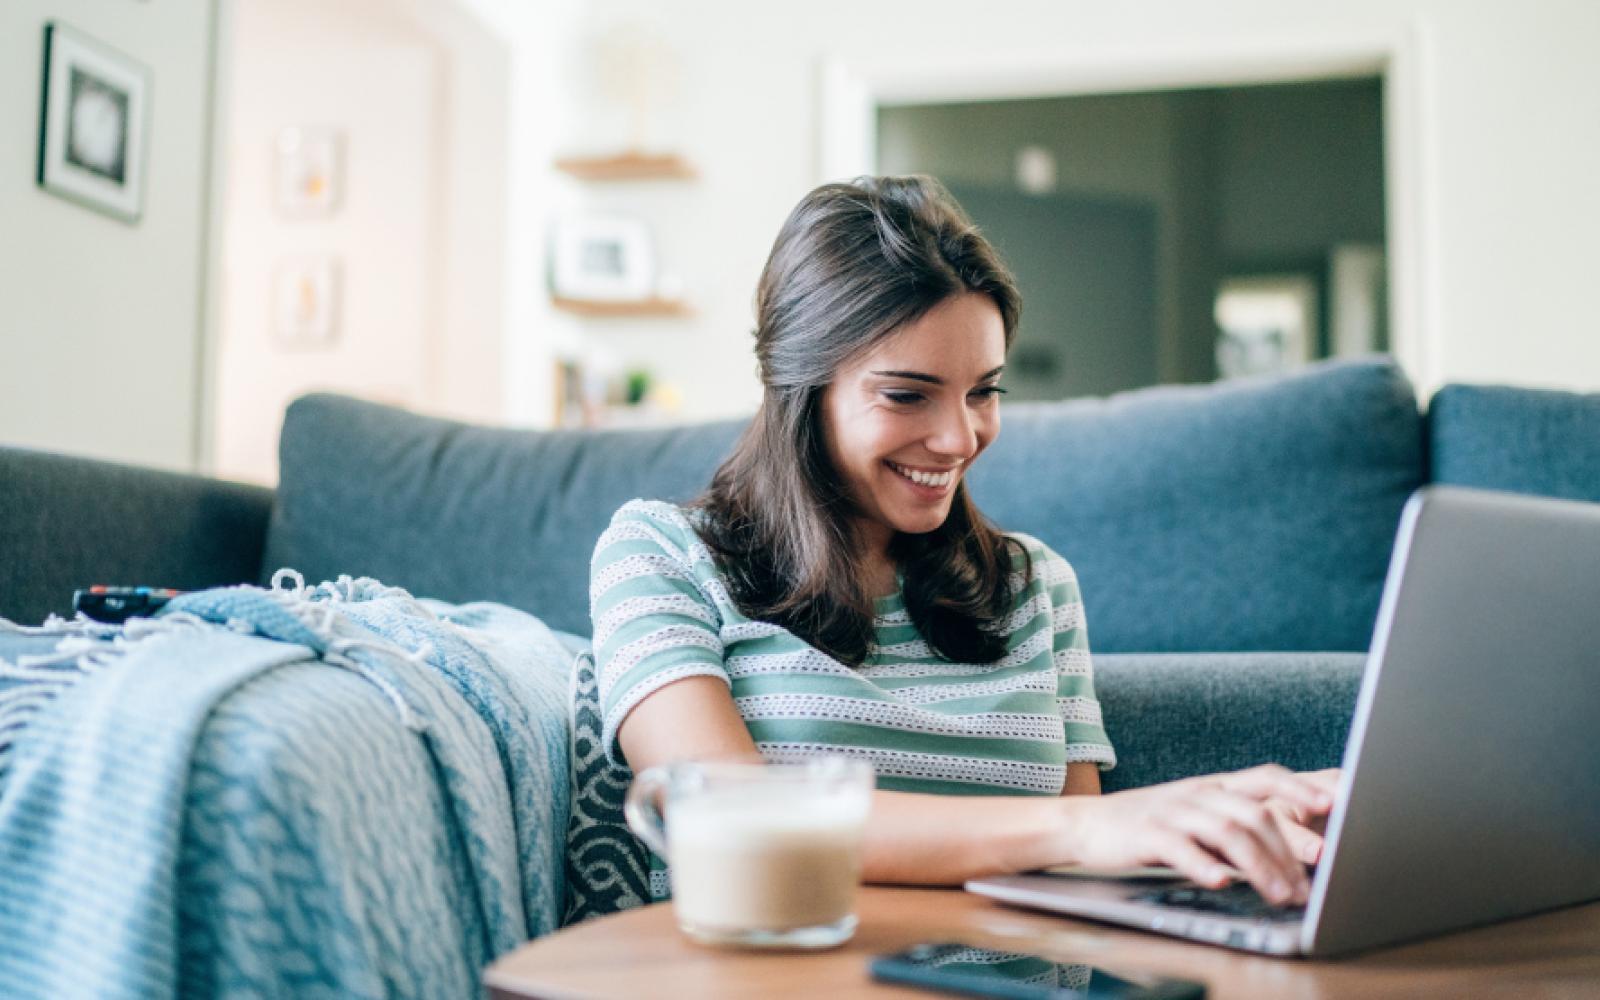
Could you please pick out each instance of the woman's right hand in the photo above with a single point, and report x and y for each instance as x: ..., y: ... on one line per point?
x: 1201, y: 827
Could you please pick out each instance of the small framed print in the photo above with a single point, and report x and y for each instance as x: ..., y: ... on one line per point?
x: 92, y: 124
x: 602, y: 259
x: 310, y: 172
x: 305, y: 301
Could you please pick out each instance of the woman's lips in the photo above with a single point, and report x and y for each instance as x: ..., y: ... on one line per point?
x: 932, y: 483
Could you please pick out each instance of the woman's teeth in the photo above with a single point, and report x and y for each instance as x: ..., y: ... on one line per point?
x: 934, y: 479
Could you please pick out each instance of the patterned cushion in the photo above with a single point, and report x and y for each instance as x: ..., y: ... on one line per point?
x: 608, y: 869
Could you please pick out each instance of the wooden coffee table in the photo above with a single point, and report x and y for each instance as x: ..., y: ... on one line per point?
x: 641, y: 954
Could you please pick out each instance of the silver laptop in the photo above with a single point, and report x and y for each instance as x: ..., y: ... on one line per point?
x: 1471, y: 783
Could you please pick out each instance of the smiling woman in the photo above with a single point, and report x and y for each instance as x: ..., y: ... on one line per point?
x: 905, y: 420
x: 835, y: 591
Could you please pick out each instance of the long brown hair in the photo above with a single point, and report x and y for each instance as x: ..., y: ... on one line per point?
x: 852, y: 265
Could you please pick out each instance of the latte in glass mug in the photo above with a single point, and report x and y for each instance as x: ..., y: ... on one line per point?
x: 760, y: 855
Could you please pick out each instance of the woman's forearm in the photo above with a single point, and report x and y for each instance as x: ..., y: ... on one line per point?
x: 915, y: 839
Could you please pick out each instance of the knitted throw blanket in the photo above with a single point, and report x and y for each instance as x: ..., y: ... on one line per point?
x: 298, y: 791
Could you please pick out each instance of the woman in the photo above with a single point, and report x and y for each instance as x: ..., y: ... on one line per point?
x: 835, y: 590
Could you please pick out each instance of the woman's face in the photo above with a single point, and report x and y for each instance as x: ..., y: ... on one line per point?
x: 905, y: 421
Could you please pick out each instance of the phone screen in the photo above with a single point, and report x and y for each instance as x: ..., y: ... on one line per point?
x: 963, y: 968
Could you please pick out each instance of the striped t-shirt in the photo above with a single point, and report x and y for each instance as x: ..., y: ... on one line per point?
x: 662, y: 612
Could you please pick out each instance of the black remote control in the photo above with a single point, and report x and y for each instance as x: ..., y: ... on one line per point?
x: 115, y: 605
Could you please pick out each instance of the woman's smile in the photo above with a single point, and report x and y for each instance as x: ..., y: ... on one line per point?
x: 925, y: 482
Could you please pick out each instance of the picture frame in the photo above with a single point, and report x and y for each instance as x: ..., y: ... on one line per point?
x: 305, y: 301
x: 93, y: 124
x: 1267, y: 322
x: 602, y: 258
x: 310, y: 172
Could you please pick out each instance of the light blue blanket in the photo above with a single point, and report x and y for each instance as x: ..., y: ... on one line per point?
x: 331, y: 791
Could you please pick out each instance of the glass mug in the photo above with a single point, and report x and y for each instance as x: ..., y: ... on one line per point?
x: 761, y: 855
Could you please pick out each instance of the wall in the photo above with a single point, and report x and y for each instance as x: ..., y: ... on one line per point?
x: 100, y: 321
x: 1509, y: 141
x: 1300, y: 169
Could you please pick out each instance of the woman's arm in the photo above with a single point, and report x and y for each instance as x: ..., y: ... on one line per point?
x: 1197, y: 826
x: 1082, y: 779
x: 911, y: 838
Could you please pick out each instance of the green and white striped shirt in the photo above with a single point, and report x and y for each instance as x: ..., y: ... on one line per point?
x: 662, y: 612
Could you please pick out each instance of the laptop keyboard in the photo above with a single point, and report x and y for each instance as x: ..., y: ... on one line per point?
x: 1236, y: 900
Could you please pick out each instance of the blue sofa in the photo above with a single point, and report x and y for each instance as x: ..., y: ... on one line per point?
x: 1231, y: 541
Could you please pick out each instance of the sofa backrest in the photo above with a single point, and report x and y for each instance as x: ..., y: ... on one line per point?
x: 1523, y: 440
x: 1249, y: 515
x: 466, y: 513
x: 1255, y: 515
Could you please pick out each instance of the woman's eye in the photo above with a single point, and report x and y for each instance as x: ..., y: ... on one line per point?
x: 987, y: 392
x: 903, y: 398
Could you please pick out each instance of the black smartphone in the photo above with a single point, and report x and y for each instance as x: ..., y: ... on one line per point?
x: 955, y: 967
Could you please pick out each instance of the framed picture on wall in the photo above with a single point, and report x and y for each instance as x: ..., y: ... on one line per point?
x: 93, y: 123
x: 310, y: 172
x: 305, y: 301
x: 600, y: 258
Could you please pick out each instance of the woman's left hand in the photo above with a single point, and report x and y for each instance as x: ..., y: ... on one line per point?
x: 1301, y: 827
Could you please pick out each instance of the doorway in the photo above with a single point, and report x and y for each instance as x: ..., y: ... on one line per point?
x: 1262, y: 204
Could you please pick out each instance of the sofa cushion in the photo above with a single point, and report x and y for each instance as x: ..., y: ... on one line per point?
x: 466, y: 513
x: 1177, y: 715
x: 72, y: 522
x: 1249, y: 515
x: 1523, y: 440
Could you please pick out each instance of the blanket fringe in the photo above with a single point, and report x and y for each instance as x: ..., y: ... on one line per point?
x: 88, y: 646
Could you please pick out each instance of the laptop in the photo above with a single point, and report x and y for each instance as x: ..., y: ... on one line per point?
x: 1470, y: 790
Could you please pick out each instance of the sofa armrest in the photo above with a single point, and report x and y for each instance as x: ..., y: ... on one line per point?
x: 69, y: 522
x: 1174, y: 715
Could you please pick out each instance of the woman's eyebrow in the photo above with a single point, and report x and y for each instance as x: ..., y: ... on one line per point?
x: 934, y: 379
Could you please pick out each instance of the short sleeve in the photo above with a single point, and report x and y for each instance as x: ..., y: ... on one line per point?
x: 653, y: 622
x: 1075, y: 698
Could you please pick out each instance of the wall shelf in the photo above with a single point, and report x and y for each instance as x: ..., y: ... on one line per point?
x: 627, y: 308
x: 630, y: 165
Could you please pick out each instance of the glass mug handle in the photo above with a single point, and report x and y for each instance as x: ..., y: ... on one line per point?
x: 640, y: 810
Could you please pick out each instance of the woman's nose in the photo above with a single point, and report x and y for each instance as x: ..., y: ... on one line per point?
x: 955, y: 434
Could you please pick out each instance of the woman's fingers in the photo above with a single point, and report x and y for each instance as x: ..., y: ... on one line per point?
x: 1312, y: 791
x: 1304, y: 842
x: 1263, y: 821
x: 1328, y: 777
x: 1181, y: 852
x: 1302, y: 826
x: 1244, y: 832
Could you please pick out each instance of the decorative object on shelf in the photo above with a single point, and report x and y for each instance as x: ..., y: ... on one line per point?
x: 636, y: 386
x: 597, y: 391
x: 576, y: 400
x: 305, y: 301
x: 636, y: 69
x: 92, y: 124
x: 602, y: 259
x: 629, y: 165
x: 310, y: 164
